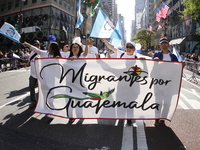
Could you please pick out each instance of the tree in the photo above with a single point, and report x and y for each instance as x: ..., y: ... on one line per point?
x: 191, y: 7
x: 144, y: 37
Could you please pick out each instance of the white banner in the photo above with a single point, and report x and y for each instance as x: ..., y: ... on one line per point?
x: 108, y: 88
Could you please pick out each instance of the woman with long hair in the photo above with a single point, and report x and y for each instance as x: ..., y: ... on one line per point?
x: 53, y: 50
x: 76, y: 50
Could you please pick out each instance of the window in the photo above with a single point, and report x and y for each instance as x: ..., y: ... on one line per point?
x: 16, y: 3
x: 34, y: 1
x: 26, y: 2
x: 60, y: 2
x: 9, y: 5
x: 2, y: 7
x: 65, y: 4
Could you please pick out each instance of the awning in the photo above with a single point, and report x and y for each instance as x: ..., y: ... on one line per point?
x: 176, y: 41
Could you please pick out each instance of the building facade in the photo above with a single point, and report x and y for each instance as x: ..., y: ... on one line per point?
x: 181, y: 31
x: 37, y: 19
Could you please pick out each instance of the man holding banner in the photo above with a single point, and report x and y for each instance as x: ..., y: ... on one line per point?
x: 164, y: 55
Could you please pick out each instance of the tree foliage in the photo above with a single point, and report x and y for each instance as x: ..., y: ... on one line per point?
x: 144, y: 37
x: 191, y: 7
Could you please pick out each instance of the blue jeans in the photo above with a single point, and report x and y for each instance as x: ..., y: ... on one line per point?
x: 32, y: 84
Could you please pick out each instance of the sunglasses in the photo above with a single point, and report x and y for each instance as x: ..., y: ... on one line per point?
x: 131, y: 47
x: 67, y: 46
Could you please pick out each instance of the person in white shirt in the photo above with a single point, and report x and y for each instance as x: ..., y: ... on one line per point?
x: 128, y: 53
x: 76, y: 50
x: 65, y: 51
x: 92, y: 50
x: 33, y: 77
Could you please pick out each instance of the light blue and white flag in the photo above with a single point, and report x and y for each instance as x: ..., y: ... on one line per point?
x: 10, y: 32
x: 103, y: 27
x: 175, y: 52
x: 79, y: 15
x: 117, y: 42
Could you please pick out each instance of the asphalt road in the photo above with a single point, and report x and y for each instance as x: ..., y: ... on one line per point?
x: 21, y: 129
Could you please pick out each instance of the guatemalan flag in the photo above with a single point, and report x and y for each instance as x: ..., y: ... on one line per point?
x: 117, y: 42
x: 175, y: 52
x: 103, y: 27
x: 79, y: 15
x: 10, y: 32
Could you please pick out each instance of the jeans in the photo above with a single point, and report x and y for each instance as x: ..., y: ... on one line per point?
x: 32, y: 84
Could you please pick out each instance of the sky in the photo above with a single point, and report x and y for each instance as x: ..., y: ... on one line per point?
x: 126, y: 8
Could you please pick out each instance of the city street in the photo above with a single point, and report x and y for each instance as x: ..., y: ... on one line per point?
x: 22, y: 129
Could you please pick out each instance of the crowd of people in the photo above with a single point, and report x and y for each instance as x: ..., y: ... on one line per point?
x: 26, y: 56
x: 14, y: 59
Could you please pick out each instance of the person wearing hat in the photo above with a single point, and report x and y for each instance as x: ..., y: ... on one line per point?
x: 165, y: 54
x: 33, y: 78
x: 129, y: 51
x: 92, y: 50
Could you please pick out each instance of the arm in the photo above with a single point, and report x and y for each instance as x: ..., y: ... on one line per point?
x: 110, y: 46
x: 108, y: 54
x: 86, y: 48
x: 35, y: 49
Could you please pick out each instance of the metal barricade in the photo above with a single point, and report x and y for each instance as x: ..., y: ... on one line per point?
x: 193, y: 66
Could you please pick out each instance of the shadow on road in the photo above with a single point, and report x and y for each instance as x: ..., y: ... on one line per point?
x: 163, y: 138
x: 17, y: 92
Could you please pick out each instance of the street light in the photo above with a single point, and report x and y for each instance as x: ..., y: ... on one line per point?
x: 21, y: 16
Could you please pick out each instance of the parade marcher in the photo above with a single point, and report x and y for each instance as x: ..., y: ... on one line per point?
x: 76, y: 51
x: 53, y: 50
x: 129, y: 53
x: 92, y: 50
x: 33, y: 77
x: 165, y: 55
x: 65, y: 51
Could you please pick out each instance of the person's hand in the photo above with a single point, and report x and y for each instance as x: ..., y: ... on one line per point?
x: 142, y: 58
x: 88, y: 41
x: 103, y: 40
x: 57, y: 57
x: 26, y: 44
x: 156, y: 58
x: 71, y: 58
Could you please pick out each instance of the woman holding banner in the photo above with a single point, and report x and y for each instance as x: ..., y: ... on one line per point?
x: 76, y: 50
x: 129, y: 53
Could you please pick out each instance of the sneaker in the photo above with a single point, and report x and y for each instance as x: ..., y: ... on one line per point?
x: 32, y: 105
x: 157, y: 122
